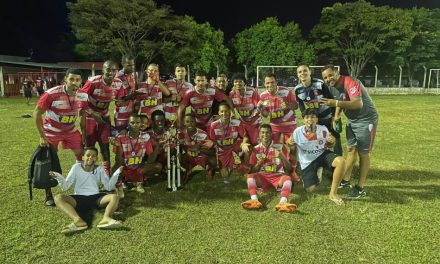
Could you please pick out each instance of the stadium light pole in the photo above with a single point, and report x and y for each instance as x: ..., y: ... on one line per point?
x: 400, y: 75
x: 424, y: 76
x: 375, y: 77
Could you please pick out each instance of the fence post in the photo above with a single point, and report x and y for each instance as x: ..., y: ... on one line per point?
x: 375, y: 77
x: 188, y: 73
x: 424, y: 77
x: 400, y: 75
x: 245, y: 72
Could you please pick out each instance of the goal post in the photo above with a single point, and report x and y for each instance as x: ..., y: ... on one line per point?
x: 286, y: 74
x: 434, y: 78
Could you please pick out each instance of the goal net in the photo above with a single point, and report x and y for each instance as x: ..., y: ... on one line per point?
x: 286, y: 75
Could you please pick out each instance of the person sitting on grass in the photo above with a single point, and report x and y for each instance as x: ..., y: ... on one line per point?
x: 270, y: 167
x: 86, y: 177
x: 312, y: 141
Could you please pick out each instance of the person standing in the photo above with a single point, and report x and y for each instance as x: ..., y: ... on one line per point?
x: 58, y: 126
x: 96, y: 96
x: 279, y: 104
x: 151, y: 93
x: 124, y: 107
x: 308, y: 93
x: 201, y: 100
x: 352, y: 97
x: 177, y: 86
x: 27, y: 90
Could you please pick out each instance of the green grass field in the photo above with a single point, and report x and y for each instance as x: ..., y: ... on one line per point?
x: 398, y: 221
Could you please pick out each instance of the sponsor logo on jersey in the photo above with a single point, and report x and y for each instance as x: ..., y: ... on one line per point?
x: 202, y: 111
x: 134, y: 161
x: 67, y: 119
x: 353, y: 90
x: 149, y: 102
x: 277, y: 114
x: 227, y: 142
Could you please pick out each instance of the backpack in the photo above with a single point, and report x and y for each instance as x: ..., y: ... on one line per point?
x: 43, y: 160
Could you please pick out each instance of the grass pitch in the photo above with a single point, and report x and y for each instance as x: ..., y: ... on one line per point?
x: 397, y: 222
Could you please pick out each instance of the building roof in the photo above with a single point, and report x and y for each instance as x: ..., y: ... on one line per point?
x: 16, y: 60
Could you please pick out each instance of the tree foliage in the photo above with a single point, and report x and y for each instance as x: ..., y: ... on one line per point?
x: 424, y: 50
x: 270, y: 43
x: 355, y: 32
x: 110, y: 28
x: 197, y: 45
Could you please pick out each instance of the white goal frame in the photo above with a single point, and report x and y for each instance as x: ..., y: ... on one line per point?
x: 285, y: 66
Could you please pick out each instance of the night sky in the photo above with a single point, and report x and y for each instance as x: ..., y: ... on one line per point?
x: 39, y: 24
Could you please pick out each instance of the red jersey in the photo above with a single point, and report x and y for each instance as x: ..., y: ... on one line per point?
x: 61, y: 111
x: 134, y: 151
x: 226, y: 135
x: 272, y: 103
x: 200, y: 137
x: 175, y: 88
x: 127, y: 81
x: 201, y: 104
x: 123, y: 112
x: 271, y: 164
x: 246, y: 105
x: 151, y: 99
x: 97, y: 95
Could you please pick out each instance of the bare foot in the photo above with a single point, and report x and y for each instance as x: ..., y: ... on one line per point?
x: 336, y: 199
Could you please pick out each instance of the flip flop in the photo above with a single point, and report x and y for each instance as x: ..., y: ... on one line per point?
x: 112, y: 224
x: 72, y: 228
x: 337, y: 201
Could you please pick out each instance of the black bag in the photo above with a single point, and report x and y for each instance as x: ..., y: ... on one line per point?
x: 42, y: 161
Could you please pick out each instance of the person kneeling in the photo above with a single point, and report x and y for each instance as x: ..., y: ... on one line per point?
x: 313, y: 141
x: 270, y: 167
x: 86, y: 177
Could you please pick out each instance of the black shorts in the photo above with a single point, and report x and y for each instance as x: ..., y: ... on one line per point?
x: 329, y: 124
x: 308, y: 175
x: 88, y: 202
x: 27, y: 93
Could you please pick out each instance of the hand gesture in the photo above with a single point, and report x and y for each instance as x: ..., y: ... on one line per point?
x: 208, y: 144
x: 245, y: 147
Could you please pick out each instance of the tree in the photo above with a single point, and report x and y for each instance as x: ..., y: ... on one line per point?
x: 110, y: 28
x: 424, y: 49
x: 358, y: 31
x: 198, y: 45
x: 269, y: 43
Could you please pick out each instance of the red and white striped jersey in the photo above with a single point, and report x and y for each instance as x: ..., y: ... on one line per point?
x: 150, y: 100
x: 127, y: 81
x: 61, y: 111
x: 246, y: 105
x: 310, y: 149
x: 226, y: 135
x: 134, y: 151
x: 272, y: 103
x: 270, y: 164
x: 178, y: 88
x: 200, y: 137
x: 97, y: 95
x: 122, y: 112
x: 201, y: 104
